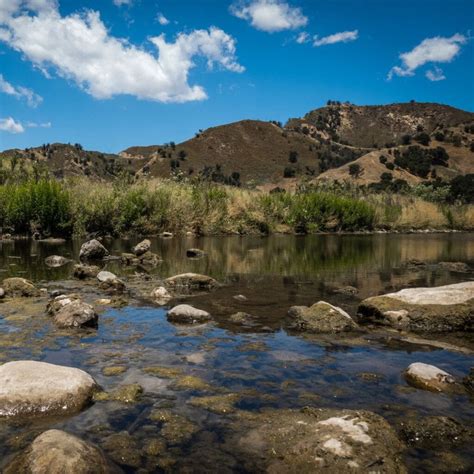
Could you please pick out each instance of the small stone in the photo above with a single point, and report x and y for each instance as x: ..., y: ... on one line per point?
x: 240, y: 298
x: 220, y: 404
x: 429, y: 377
x: 141, y: 248
x: 93, y: 250
x: 187, y: 314
x: 191, y: 382
x: 125, y: 394
x: 114, y: 370
x: 189, y: 282
x: 85, y: 271
x: 163, y: 372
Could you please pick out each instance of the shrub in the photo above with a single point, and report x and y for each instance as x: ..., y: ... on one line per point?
x: 355, y: 170
x: 423, y: 138
x: 390, y: 166
x: 439, y: 136
x: 462, y: 188
x: 383, y: 159
x: 293, y: 157
x: 289, y: 172
x: 406, y: 140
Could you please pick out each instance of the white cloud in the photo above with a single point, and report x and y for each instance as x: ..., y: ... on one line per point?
x: 161, y: 19
x: 342, y: 37
x: 269, y: 15
x: 302, y: 38
x: 436, y: 74
x: 10, y: 125
x: 430, y: 50
x: 120, y: 3
x: 78, y: 47
x: 38, y: 125
x: 32, y: 99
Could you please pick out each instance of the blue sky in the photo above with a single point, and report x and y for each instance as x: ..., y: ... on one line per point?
x: 115, y: 73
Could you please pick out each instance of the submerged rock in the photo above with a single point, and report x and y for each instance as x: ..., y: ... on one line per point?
x: 19, y: 287
x: 195, y: 253
x: 189, y: 282
x: 455, y: 267
x: 113, y: 370
x: 82, y: 271
x: 55, y: 261
x: 346, y: 290
x: 433, y: 432
x: 430, y: 377
x: 221, y: 404
x: 55, y: 452
x: 29, y: 388
x: 187, y: 314
x: 93, y: 250
x: 146, y: 259
x: 176, y: 428
x: 442, y: 308
x: 123, y: 449
x: 126, y: 394
x: 242, y: 318
x: 160, y: 295
x: 141, y: 248
x: 316, y: 440
x: 76, y: 314
x: 321, y: 317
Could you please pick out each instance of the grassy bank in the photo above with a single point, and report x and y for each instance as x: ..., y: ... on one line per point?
x: 82, y: 206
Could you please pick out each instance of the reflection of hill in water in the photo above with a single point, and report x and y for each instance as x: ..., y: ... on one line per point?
x: 369, y: 262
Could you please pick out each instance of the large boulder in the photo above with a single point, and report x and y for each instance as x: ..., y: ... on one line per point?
x: 19, y: 287
x: 430, y: 377
x: 93, y: 250
x: 75, y: 314
x: 189, y: 282
x: 55, y: 261
x: 438, y: 309
x: 141, y: 248
x: 186, y: 314
x: 321, y: 317
x: 82, y: 271
x: 316, y: 440
x: 29, y: 388
x: 58, y: 452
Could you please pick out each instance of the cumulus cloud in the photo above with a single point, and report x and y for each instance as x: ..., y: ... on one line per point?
x: 11, y: 126
x: 430, y: 50
x: 341, y: 37
x: 302, y: 38
x: 161, y: 19
x: 269, y: 15
x: 79, y: 48
x: 19, y: 92
x: 436, y: 74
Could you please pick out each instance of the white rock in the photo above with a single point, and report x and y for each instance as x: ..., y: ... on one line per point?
x: 429, y: 377
x: 187, y: 314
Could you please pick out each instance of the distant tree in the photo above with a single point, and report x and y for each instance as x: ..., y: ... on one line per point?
x: 423, y: 139
x: 383, y: 159
x: 182, y: 155
x: 78, y: 146
x: 289, y: 172
x: 355, y: 170
x: 419, y: 128
x: 293, y: 156
x: 386, y: 177
x: 462, y: 188
x: 439, y: 136
x: 390, y: 166
x: 406, y: 139
x: 457, y: 140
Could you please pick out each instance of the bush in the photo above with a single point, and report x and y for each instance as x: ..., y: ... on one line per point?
x: 355, y: 170
x: 406, y: 139
x: 423, y: 138
x: 289, y: 172
x: 390, y: 166
x: 293, y: 157
x: 462, y: 188
x: 383, y: 159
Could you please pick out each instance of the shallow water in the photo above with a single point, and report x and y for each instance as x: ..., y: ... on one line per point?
x: 263, y: 365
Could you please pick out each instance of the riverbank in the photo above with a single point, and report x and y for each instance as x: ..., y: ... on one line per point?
x: 79, y: 207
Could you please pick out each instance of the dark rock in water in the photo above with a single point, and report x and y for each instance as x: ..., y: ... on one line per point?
x: 141, y: 248
x: 76, y: 314
x: 346, y: 290
x: 189, y: 282
x: 438, y: 309
x: 125, y: 394
x: 123, y: 449
x: 55, y: 261
x: 29, y: 388
x: 19, y: 287
x: 195, y: 253
x: 56, y: 451
x: 85, y: 271
x: 430, y: 377
x: 93, y: 250
x: 186, y: 314
x: 149, y: 259
x: 321, y: 317
x: 468, y: 381
x: 242, y: 318
x: 431, y: 432
x: 455, y: 267
x: 315, y: 440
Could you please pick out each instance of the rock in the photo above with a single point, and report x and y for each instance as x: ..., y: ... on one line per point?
x: 430, y: 377
x: 29, y: 388
x: 113, y: 370
x: 2, y: 293
x: 186, y: 314
x: 316, y: 440
x: 110, y: 282
x: 58, y: 452
x: 242, y: 318
x: 438, y: 309
x: 125, y: 394
x: 468, y: 381
x: 176, y: 428
x: 55, y: 261
x: 321, y: 317
x: 167, y: 234
x: 189, y: 282
x: 455, y: 267
x: 149, y: 259
x: 346, y: 290
x: 240, y: 298
x: 160, y: 295
x: 432, y: 432
x: 141, y: 248
x: 76, y: 314
x: 195, y: 253
x: 92, y: 250
x: 19, y: 287
x: 59, y: 302
x: 85, y: 271
x: 221, y: 404
x: 123, y: 449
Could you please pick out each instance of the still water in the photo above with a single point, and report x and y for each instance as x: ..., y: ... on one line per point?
x: 263, y: 365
